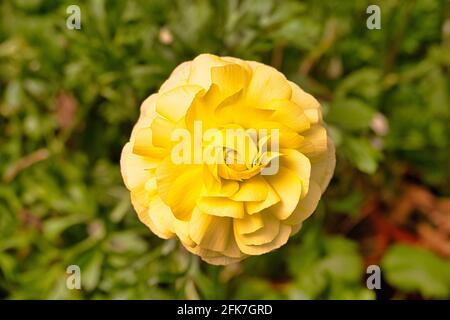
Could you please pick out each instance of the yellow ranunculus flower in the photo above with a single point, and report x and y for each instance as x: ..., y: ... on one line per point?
x: 227, y: 211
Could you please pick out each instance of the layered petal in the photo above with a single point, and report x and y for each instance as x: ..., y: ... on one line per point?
x: 288, y: 187
x: 255, y: 158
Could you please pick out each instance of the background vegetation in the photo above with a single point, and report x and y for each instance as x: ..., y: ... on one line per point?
x: 69, y: 98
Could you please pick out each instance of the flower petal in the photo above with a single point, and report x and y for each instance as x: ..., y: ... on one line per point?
x: 288, y: 187
x: 166, y: 173
x: 307, y: 102
x: 296, y: 228
x: 178, y: 77
x: 249, y: 224
x: 290, y: 115
x: 219, y: 188
x: 161, y: 217
x: 315, y: 142
x: 182, y: 230
x: 231, y: 254
x: 253, y: 189
x: 143, y: 144
x: 266, y: 84
x: 230, y: 78
x: 323, y: 166
x: 143, y: 194
x: 221, y: 260
x: 306, y: 206
x: 266, y: 234
x: 221, y: 207
x: 184, y: 193
x: 162, y: 132
x: 200, y: 73
x: 134, y: 168
x: 257, y: 206
x: 147, y: 114
x: 174, y: 104
x: 210, y: 232
x: 279, y: 240
x: 300, y: 164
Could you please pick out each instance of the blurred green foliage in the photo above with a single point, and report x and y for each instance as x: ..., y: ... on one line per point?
x: 417, y: 270
x: 69, y: 98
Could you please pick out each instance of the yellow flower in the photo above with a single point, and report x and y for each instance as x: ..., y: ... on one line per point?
x: 221, y: 210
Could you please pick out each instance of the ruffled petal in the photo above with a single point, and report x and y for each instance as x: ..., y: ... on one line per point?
x: 230, y: 78
x: 143, y: 145
x: 249, y: 224
x: 184, y: 193
x: 173, y: 104
x: 323, y: 166
x: 315, y: 142
x: 161, y: 218
x: 306, y: 206
x: 166, y: 173
x: 136, y: 170
x: 210, y: 232
x: 178, y: 77
x: 278, y: 241
x: 266, y: 84
x: 307, y: 102
x: 298, y: 163
x: 221, y: 207
x: 200, y: 72
x: 253, y: 189
x: 288, y: 187
x: 263, y: 235
x: 162, y: 132
x: 257, y: 206
x: 290, y: 115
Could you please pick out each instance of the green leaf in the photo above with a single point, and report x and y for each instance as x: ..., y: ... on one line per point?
x: 127, y: 241
x: 348, y: 204
x: 362, y: 154
x: 363, y: 83
x: 351, y: 114
x: 91, y: 273
x: 342, y: 262
x: 417, y: 270
x: 55, y: 226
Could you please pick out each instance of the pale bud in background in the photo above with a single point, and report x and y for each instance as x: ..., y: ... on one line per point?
x: 165, y: 36
x: 379, y: 124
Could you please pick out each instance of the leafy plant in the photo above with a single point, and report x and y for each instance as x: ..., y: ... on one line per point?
x: 68, y: 99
